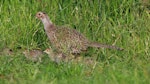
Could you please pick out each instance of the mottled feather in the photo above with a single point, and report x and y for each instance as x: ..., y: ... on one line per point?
x: 67, y: 40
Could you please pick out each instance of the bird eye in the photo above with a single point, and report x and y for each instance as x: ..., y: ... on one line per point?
x: 10, y: 50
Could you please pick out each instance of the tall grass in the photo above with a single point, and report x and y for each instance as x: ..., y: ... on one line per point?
x: 125, y: 23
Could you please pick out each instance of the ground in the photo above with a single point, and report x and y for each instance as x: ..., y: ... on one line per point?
x: 122, y: 23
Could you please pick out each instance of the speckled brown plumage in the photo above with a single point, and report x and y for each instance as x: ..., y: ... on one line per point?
x: 67, y: 40
x: 33, y: 55
x: 57, y: 57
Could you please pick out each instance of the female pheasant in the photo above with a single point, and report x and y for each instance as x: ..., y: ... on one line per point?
x: 67, y: 40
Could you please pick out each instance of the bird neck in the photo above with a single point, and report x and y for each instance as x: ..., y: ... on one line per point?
x: 48, y: 25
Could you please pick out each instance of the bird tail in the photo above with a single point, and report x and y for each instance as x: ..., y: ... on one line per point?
x: 98, y: 45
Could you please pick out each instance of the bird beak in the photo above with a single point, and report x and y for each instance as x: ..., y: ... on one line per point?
x: 44, y: 51
x: 36, y: 17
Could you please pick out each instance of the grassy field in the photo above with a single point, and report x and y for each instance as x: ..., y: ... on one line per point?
x: 125, y: 23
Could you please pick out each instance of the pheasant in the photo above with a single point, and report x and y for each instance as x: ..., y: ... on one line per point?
x: 6, y: 51
x: 33, y: 55
x: 55, y: 57
x: 67, y: 40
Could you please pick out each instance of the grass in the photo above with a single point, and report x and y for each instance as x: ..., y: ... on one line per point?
x: 124, y: 23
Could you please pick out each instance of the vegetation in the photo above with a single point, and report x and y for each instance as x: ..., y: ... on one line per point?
x: 125, y: 23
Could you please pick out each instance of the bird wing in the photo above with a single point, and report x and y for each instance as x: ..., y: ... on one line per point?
x: 70, y: 40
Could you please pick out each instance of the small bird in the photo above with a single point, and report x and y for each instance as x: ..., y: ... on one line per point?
x: 33, y: 55
x: 67, y: 40
x: 57, y: 57
x: 52, y: 55
x: 6, y: 51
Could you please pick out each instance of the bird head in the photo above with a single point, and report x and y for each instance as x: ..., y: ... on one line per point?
x: 48, y: 51
x: 44, y: 18
x: 41, y: 15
